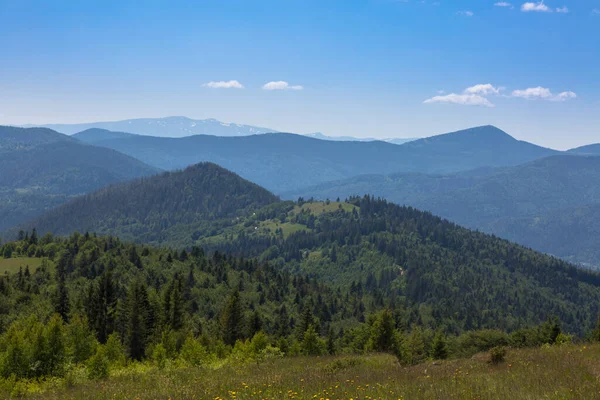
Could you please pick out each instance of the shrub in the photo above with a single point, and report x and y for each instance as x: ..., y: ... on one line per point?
x: 563, y: 338
x: 193, y: 353
x: 159, y: 356
x: 497, y: 354
x: 98, y: 365
x: 114, y: 350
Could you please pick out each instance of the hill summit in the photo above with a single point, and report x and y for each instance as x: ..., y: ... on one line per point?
x: 151, y: 209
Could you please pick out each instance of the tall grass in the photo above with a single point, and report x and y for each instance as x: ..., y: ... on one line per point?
x: 560, y: 372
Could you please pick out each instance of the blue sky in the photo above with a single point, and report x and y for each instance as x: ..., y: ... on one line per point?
x: 377, y: 68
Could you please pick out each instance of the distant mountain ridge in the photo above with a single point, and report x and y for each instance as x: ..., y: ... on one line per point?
x: 42, y: 168
x: 589, y: 150
x: 319, y: 135
x: 283, y: 162
x: 165, y: 127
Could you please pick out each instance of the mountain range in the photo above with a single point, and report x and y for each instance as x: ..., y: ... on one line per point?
x: 439, y: 272
x: 165, y: 127
x: 283, y: 162
x: 184, y: 126
x: 42, y: 169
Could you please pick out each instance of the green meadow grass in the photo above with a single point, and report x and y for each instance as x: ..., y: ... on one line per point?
x: 562, y: 372
x: 12, y: 265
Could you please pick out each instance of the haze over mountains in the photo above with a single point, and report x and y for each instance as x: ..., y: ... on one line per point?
x: 165, y: 127
x: 41, y: 168
x: 481, y: 178
x: 184, y: 126
x: 282, y: 162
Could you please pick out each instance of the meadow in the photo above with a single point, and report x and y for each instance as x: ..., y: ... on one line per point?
x: 12, y: 265
x: 550, y: 372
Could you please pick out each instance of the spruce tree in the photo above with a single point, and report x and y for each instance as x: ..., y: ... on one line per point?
x: 232, y: 319
x: 62, y: 305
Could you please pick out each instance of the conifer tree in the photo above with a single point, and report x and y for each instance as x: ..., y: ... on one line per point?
x: 232, y: 319
x: 62, y: 305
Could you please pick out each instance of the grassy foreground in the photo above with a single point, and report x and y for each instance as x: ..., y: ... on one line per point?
x: 562, y: 372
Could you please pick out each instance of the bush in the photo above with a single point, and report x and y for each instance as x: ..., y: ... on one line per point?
x: 98, y: 365
x: 193, y: 353
x: 497, y: 354
x: 159, y: 356
x: 114, y: 351
x: 343, y: 364
x: 563, y: 339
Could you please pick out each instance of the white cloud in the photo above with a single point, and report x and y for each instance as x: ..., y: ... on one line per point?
x: 539, y: 7
x: 562, y: 10
x: 224, y: 85
x: 462, y: 99
x: 543, y: 94
x: 483, y: 89
x: 533, y: 93
x: 466, y: 13
x: 564, y: 96
x: 503, y: 4
x: 280, y: 85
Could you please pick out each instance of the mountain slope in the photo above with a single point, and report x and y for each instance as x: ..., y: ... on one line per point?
x: 572, y: 233
x: 437, y: 273
x: 590, y: 150
x: 493, y: 199
x: 283, y: 162
x: 165, y: 127
x: 158, y: 208
x: 42, y: 168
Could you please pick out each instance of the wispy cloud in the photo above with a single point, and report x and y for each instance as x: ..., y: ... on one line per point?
x: 462, y: 99
x: 224, y: 85
x: 564, y: 96
x: 503, y: 4
x: 542, y: 93
x: 562, y: 10
x: 537, y: 7
x: 596, y: 11
x: 280, y: 85
x: 483, y: 89
x: 466, y: 13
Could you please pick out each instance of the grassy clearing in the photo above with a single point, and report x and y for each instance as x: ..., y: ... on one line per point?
x: 563, y: 372
x: 319, y: 208
x: 287, y: 228
x: 12, y: 265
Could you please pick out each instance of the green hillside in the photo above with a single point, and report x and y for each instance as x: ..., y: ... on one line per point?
x: 441, y: 274
x: 166, y: 208
x: 499, y: 201
x: 42, y: 169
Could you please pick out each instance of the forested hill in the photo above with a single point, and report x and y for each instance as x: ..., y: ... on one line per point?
x: 166, y: 207
x: 468, y: 280
x: 440, y: 273
x: 41, y: 168
x: 282, y: 162
x: 518, y: 203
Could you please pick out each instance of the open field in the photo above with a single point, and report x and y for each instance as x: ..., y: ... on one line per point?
x: 12, y: 265
x: 562, y: 372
